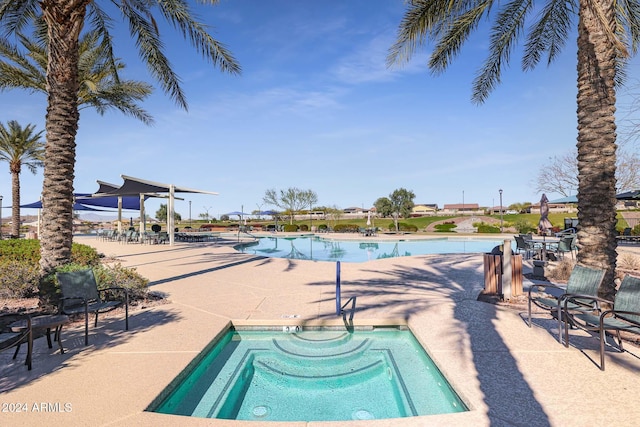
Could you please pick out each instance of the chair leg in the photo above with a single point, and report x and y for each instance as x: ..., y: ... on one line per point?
x: 86, y: 324
x: 602, y: 340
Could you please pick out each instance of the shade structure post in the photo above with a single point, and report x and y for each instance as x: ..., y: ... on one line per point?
x: 143, y: 225
x: 119, y: 214
x: 171, y: 215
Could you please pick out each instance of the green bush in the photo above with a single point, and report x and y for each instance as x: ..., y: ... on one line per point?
x: 346, y: 228
x: 486, y: 228
x: 304, y: 227
x: 523, y: 226
x: 403, y: 226
x: 322, y: 227
x: 290, y: 228
x: 28, y: 250
x: 446, y: 227
x: 636, y: 230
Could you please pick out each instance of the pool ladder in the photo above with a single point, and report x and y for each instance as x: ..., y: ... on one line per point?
x: 342, y: 309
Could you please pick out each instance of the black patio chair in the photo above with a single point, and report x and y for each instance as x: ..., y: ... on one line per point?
x: 80, y: 294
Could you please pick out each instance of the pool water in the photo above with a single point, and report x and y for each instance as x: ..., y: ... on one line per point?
x: 321, y: 249
x: 329, y: 375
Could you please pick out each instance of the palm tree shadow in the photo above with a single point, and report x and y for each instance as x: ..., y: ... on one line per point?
x: 451, y: 280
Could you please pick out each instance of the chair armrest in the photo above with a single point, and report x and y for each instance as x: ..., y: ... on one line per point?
x: 590, y: 300
x: 545, y: 285
x: 620, y: 313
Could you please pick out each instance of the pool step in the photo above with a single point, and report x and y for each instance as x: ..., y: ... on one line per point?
x: 301, y: 372
x: 342, y: 350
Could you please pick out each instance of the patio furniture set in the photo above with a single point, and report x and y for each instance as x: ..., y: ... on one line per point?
x: 80, y: 296
x: 578, y: 306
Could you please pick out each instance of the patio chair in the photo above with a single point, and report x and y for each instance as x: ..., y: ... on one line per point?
x: 624, y: 316
x: 563, y: 246
x: 80, y: 294
x: 15, y: 339
x: 582, y: 281
x: 523, y: 245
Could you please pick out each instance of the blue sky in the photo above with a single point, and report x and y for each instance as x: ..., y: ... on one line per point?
x: 316, y: 108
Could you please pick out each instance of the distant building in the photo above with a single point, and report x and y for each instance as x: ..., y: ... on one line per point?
x: 462, y: 209
x: 424, y: 209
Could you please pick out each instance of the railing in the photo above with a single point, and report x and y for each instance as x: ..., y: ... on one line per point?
x: 340, y: 308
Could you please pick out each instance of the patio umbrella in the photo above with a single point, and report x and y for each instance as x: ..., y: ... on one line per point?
x: 544, y: 224
x: 369, y: 219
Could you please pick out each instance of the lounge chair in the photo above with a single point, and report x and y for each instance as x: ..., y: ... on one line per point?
x: 15, y: 339
x: 582, y: 281
x: 80, y: 294
x: 624, y: 316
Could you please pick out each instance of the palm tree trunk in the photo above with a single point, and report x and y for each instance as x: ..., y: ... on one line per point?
x: 15, y: 203
x: 64, y: 21
x: 597, y: 145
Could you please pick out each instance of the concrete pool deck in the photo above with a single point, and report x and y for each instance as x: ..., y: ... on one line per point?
x: 506, y: 372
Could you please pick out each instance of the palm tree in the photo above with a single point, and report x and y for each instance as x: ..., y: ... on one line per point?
x: 100, y: 87
x: 19, y: 147
x: 64, y: 22
x: 608, y: 32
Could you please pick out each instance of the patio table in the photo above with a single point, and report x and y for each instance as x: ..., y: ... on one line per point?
x: 44, y: 322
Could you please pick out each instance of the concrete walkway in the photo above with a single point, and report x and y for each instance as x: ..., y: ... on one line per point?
x: 507, y: 373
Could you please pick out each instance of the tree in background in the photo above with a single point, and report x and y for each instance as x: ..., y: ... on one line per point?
x: 65, y: 19
x: 608, y: 33
x: 560, y: 175
x: 398, y: 204
x: 162, y: 215
x: 19, y: 147
x: 292, y: 200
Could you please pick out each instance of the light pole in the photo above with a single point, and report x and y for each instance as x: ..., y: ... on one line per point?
x: 0, y: 217
x: 501, y: 228
x: 189, y: 213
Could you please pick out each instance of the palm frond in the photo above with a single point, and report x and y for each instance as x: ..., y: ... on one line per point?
x: 451, y: 42
x: 150, y: 48
x: 504, y: 33
x: 16, y: 14
x: 550, y: 32
x: 177, y: 13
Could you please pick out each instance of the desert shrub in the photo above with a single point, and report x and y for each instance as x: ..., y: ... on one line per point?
x: 322, y: 227
x: 523, y: 226
x: 483, y: 227
x: 28, y: 251
x: 290, y: 228
x: 562, y: 271
x: 636, y: 230
x: 445, y: 227
x: 304, y: 227
x: 25, y: 250
x: 18, y: 279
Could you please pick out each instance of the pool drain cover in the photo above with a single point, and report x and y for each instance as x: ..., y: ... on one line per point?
x: 261, y: 411
x: 362, y: 414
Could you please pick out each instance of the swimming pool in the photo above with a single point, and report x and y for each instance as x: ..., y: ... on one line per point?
x: 320, y: 249
x: 311, y: 375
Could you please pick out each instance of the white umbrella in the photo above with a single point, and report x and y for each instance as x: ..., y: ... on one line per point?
x: 368, y: 218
